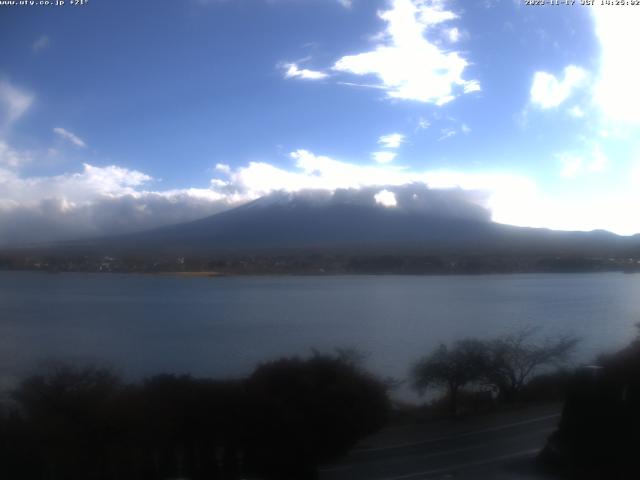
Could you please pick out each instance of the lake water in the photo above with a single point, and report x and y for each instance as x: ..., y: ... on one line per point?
x: 223, y: 327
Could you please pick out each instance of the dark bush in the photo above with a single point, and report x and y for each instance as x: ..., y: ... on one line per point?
x: 599, y: 434
x: 83, y: 423
x: 68, y: 422
x: 547, y: 387
x: 304, y: 412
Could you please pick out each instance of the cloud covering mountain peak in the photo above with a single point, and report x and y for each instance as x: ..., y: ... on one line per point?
x: 415, y: 198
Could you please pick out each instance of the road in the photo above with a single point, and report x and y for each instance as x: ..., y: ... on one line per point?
x: 496, y: 447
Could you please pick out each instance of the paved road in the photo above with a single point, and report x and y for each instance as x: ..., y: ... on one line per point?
x: 497, y: 447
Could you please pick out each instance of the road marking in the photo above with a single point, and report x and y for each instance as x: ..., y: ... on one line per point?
x: 457, y: 435
x: 463, y: 465
x: 430, y: 455
x: 351, y: 465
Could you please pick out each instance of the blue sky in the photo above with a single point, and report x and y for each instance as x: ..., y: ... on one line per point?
x: 117, y: 116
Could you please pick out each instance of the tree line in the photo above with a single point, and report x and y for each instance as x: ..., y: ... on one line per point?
x: 282, y: 421
x: 288, y: 416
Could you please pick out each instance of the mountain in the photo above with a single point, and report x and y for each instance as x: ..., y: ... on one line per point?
x: 441, y: 224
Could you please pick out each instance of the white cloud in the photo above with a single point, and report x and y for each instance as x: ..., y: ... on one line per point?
x: 446, y: 133
x: 40, y: 43
x: 453, y: 34
x: 384, y: 157
x: 223, y: 167
x: 96, y: 201
x: 393, y: 140
x: 74, y: 188
x: 13, y: 103
x: 292, y: 71
x: 464, y: 128
x: 574, y: 164
x: 69, y: 136
x: 345, y: 3
x: 386, y: 198
x: 634, y: 174
x: 571, y: 164
x: 616, y: 89
x: 513, y: 199
x: 92, y: 196
x: 407, y: 64
x: 423, y: 124
x: 599, y: 160
x: 576, y: 112
x: 472, y: 86
x: 53, y: 219
x: 413, y: 197
x: 321, y: 173
x: 547, y: 91
x: 112, y: 199
x: 11, y: 158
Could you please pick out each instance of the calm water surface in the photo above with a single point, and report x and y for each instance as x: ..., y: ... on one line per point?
x: 222, y: 327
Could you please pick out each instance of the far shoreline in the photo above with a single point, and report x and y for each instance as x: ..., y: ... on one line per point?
x: 217, y: 274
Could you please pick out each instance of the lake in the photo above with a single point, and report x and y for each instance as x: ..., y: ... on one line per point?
x: 222, y: 327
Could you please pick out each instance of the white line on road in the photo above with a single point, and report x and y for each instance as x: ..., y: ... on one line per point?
x: 422, y: 457
x: 349, y: 466
x: 457, y: 435
x: 463, y: 465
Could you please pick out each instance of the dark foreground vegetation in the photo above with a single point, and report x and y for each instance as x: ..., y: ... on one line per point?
x: 288, y: 416
x: 598, y: 436
x: 508, y: 368
x: 291, y: 415
x: 599, y: 433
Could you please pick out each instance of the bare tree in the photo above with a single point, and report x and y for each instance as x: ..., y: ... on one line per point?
x: 506, y: 363
x: 515, y: 358
x: 452, y: 368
